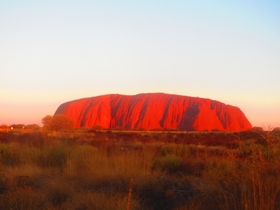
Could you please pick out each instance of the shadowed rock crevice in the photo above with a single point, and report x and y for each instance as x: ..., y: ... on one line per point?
x: 189, y: 117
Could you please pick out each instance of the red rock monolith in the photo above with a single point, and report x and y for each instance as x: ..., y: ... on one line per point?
x: 152, y: 111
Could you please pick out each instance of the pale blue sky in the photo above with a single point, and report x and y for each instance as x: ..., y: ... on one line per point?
x: 56, y: 51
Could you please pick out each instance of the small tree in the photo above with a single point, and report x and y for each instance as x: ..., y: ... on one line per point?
x: 267, y: 134
x: 58, y: 122
x: 61, y: 122
x: 47, y: 121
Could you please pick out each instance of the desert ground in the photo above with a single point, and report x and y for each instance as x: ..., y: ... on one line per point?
x: 151, y: 170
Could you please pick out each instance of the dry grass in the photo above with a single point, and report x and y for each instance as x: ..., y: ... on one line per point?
x: 86, y: 171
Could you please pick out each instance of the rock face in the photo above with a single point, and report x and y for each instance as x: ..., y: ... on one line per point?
x: 154, y: 111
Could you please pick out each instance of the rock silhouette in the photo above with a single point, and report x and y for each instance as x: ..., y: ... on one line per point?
x: 154, y: 111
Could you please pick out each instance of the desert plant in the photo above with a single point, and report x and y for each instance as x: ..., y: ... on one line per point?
x: 58, y: 122
x: 55, y: 156
x: 3, y: 184
x: 22, y: 200
x: 168, y: 163
x: 7, y: 156
x: 82, y: 159
x: 59, y: 194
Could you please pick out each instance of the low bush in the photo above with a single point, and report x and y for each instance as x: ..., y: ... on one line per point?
x: 168, y: 163
x: 7, y: 156
x: 55, y: 156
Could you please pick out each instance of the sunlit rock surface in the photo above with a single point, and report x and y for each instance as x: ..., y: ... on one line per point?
x: 152, y: 111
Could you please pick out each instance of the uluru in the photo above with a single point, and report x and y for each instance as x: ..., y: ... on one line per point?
x: 152, y: 111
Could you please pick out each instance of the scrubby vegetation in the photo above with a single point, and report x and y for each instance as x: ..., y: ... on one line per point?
x: 91, y: 169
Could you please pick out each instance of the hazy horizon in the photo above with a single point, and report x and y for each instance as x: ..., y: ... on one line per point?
x: 57, y: 51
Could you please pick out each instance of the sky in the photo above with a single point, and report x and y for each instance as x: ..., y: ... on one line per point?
x: 56, y: 51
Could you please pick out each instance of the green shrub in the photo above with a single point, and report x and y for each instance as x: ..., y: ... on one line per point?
x: 168, y: 163
x: 193, y: 166
x: 59, y: 194
x: 3, y: 184
x: 175, y: 149
x: 259, y: 151
x: 164, y: 192
x: 7, y: 156
x: 22, y: 200
x: 82, y: 159
x: 54, y: 156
